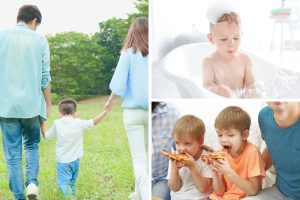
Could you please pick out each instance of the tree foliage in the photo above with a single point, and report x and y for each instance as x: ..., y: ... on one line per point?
x: 83, y: 64
x: 75, y: 63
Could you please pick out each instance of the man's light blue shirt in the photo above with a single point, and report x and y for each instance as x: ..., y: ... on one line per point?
x: 130, y: 80
x: 24, y: 72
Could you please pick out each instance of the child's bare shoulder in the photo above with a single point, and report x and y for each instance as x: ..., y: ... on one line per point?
x: 209, y: 60
x: 245, y: 57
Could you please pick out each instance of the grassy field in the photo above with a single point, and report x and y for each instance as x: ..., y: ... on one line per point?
x: 105, y: 169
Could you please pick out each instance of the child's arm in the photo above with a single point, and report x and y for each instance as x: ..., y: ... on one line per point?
x: 250, y: 86
x: 218, y: 181
x: 47, y: 95
x: 250, y: 186
x: 100, y: 117
x: 201, y: 182
x: 209, y: 82
x: 174, y: 181
x: 48, y: 134
x: 249, y: 76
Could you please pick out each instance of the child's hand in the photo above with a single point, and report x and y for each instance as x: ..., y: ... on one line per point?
x: 176, y: 164
x: 190, y: 162
x: 224, y: 90
x: 221, y: 166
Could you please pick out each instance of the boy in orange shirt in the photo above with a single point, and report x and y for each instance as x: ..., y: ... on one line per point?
x: 240, y: 174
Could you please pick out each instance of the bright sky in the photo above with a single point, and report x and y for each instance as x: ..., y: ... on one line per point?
x: 67, y: 15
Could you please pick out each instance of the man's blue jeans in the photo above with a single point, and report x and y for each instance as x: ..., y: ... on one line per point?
x: 15, y: 132
x: 66, y: 177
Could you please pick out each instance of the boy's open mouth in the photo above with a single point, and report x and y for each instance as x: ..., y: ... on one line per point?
x: 226, y: 147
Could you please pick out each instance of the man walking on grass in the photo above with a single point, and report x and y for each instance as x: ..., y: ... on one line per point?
x: 25, y: 98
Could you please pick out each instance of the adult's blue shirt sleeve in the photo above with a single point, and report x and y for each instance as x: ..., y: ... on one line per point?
x: 118, y: 84
x: 46, y: 78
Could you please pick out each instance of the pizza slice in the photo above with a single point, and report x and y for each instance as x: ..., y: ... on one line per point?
x: 215, y: 155
x: 182, y: 157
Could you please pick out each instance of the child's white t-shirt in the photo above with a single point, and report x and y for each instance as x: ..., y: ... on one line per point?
x: 69, y: 137
x: 188, y: 188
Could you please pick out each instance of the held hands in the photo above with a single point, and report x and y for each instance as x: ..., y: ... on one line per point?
x: 43, y: 127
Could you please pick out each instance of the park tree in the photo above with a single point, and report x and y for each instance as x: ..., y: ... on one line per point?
x: 75, y: 64
x: 111, y: 38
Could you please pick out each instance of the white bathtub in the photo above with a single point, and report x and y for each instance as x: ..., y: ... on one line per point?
x: 183, y: 66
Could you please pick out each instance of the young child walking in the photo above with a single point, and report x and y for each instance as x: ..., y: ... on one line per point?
x: 240, y: 173
x: 69, y: 143
x: 190, y: 180
x: 227, y: 72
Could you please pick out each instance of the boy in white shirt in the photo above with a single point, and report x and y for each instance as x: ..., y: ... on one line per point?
x: 190, y: 180
x: 69, y: 143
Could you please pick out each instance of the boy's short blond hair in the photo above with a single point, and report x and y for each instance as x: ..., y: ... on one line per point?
x: 189, y: 125
x: 233, y: 117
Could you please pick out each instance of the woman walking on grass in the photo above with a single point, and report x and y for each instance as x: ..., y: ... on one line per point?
x: 130, y: 82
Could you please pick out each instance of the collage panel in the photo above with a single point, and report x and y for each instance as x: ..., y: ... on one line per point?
x: 225, y: 99
x: 74, y: 100
x: 212, y: 49
x: 236, y: 149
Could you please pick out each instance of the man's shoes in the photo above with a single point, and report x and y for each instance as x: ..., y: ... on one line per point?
x: 32, y: 191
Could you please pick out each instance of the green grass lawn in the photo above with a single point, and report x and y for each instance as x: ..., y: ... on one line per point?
x: 105, y: 169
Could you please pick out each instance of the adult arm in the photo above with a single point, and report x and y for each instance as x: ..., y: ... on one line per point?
x: 46, y: 78
x: 109, y: 103
x: 47, y: 95
x: 267, y: 158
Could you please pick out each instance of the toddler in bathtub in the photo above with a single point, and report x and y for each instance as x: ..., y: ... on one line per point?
x: 227, y: 72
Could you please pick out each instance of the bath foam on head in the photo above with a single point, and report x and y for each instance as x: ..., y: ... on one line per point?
x: 217, y: 9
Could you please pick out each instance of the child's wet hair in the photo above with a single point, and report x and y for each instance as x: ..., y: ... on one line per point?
x: 233, y: 117
x: 67, y: 106
x: 231, y: 17
x: 189, y: 125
